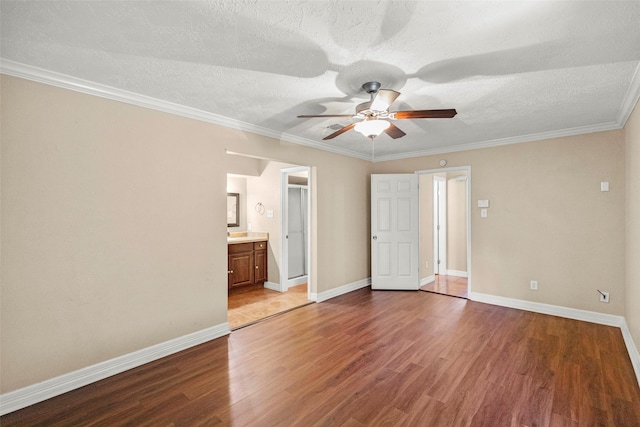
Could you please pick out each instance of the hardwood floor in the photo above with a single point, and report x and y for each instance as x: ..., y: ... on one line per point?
x: 374, y: 358
x: 252, y: 304
x: 448, y: 285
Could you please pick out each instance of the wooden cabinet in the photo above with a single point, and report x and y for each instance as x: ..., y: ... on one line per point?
x: 260, y: 260
x: 247, y: 264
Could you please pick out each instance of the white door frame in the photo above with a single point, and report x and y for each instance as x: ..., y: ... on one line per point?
x: 439, y: 225
x: 466, y: 169
x: 284, y: 209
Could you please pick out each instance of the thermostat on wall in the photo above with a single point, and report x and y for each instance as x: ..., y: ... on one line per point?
x: 483, y: 203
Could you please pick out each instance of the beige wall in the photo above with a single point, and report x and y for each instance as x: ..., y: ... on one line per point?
x: 112, y: 223
x: 632, y: 216
x: 112, y: 238
x: 548, y: 220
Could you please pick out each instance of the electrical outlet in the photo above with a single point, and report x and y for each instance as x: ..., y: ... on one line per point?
x: 534, y: 285
x: 604, y: 296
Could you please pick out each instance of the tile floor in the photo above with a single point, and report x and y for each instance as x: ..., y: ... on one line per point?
x: 448, y: 285
x: 247, y: 306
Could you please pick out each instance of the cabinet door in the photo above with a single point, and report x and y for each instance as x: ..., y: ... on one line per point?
x: 241, y: 268
x: 261, y: 266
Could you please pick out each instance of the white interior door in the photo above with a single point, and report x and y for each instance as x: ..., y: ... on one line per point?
x: 394, y: 232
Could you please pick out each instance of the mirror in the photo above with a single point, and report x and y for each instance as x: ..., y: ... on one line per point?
x: 233, y: 211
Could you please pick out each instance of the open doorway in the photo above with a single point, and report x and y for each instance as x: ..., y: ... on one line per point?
x: 295, y: 227
x: 445, y: 244
x: 257, y: 289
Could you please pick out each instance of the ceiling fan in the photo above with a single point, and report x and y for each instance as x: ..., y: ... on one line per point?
x: 374, y: 114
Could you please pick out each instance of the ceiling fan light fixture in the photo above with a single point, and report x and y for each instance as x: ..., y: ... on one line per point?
x: 372, y: 128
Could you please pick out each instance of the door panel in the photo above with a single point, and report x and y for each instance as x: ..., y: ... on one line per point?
x: 394, y: 232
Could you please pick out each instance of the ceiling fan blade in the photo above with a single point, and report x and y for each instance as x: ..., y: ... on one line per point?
x: 339, y: 131
x: 394, y: 131
x: 426, y: 114
x: 305, y: 116
x: 383, y: 99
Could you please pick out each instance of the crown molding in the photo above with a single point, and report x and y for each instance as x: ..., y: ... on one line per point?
x: 53, y: 78
x: 602, y: 127
x: 40, y: 75
x: 630, y: 99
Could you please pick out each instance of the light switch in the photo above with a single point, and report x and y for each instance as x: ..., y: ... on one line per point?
x: 483, y: 203
x: 269, y: 214
x: 483, y: 213
x: 604, y: 186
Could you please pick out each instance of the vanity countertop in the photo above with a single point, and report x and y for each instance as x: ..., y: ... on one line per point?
x: 246, y: 237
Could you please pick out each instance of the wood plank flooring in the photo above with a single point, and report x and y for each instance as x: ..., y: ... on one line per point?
x: 448, y: 285
x: 251, y: 304
x: 374, y: 358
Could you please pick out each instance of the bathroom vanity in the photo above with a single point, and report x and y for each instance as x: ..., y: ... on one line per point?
x: 247, y: 259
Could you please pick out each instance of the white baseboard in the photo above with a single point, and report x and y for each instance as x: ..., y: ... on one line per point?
x: 341, y: 290
x: 632, y: 349
x: 428, y: 280
x: 457, y: 273
x: 21, y: 398
x: 569, y: 313
x: 275, y: 286
x: 554, y: 310
x: 297, y: 281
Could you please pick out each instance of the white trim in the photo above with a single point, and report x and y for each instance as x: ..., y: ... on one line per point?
x: 53, y: 78
x: 341, y: 290
x: 297, y: 281
x: 581, y: 130
x: 631, y: 99
x: 275, y: 286
x: 457, y: 273
x: 427, y: 280
x: 554, y: 310
x: 632, y: 349
x: 21, y: 398
x: 290, y: 283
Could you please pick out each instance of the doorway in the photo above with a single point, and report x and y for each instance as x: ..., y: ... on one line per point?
x: 261, y: 195
x: 296, y: 234
x: 296, y: 207
x: 445, y: 224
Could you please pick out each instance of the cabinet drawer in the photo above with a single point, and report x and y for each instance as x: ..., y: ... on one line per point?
x: 259, y: 245
x: 238, y: 248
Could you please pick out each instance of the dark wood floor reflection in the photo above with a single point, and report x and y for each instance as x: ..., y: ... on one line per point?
x: 249, y: 305
x: 448, y: 285
x: 372, y: 358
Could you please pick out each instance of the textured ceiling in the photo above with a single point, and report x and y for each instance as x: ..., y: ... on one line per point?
x: 514, y: 70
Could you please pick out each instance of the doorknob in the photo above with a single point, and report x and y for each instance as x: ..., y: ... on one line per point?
x: 375, y: 237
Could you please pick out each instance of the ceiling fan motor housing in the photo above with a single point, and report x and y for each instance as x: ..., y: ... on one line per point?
x: 371, y: 87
